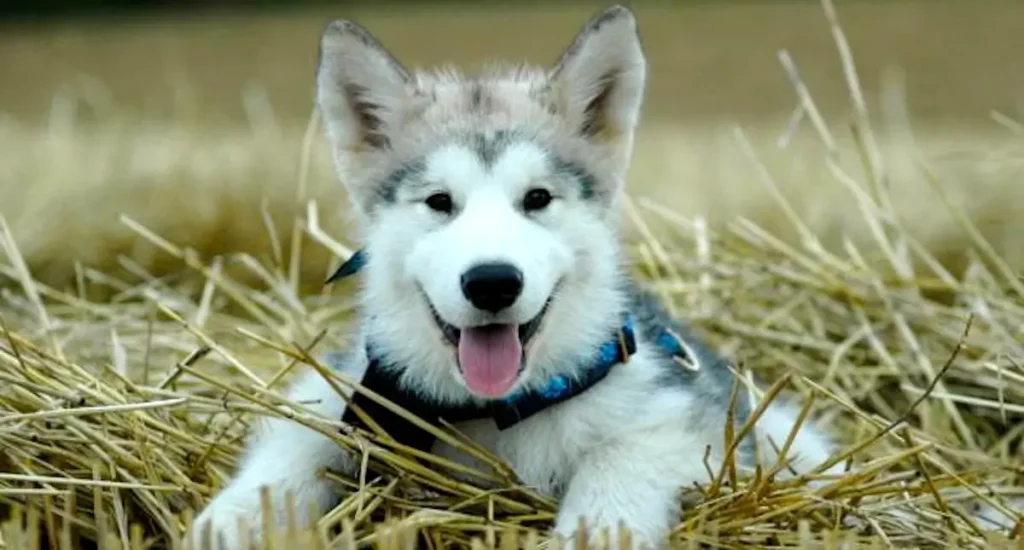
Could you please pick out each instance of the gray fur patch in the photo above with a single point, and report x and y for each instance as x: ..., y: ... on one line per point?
x: 710, y: 386
x: 488, y: 147
x: 405, y: 175
x: 476, y: 96
x: 587, y: 184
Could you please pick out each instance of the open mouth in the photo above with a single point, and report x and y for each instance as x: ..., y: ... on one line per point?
x: 454, y: 334
x: 490, y: 357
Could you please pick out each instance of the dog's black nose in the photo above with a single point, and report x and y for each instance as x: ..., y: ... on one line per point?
x: 493, y: 286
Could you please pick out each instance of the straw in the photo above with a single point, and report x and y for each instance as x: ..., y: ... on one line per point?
x: 121, y: 418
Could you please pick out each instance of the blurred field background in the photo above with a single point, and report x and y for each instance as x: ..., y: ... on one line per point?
x: 193, y: 120
x: 186, y: 118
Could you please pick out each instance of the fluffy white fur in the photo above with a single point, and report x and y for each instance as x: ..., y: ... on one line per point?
x: 618, y: 454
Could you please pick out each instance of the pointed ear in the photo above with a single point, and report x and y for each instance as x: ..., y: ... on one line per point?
x: 599, y: 80
x: 361, y: 89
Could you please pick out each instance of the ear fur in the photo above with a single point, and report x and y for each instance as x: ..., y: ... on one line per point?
x: 361, y: 89
x: 599, y: 80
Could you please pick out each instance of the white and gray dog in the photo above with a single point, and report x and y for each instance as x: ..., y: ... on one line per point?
x: 494, y: 292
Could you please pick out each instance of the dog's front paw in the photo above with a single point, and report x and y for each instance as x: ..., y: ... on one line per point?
x: 235, y: 518
x: 605, y: 535
x: 232, y: 520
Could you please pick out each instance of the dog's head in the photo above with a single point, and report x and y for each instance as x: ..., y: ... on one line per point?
x: 487, y: 202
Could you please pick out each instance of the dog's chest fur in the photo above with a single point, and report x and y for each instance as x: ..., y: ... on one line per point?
x: 543, y: 449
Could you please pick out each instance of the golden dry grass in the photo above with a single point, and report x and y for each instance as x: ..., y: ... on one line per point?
x: 154, y: 301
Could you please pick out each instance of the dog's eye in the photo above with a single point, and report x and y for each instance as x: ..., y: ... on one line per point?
x: 536, y: 199
x: 440, y: 202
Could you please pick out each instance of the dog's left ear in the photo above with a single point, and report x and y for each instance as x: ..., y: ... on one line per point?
x: 599, y: 80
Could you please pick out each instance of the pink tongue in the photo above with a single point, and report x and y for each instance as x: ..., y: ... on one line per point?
x: 489, y: 357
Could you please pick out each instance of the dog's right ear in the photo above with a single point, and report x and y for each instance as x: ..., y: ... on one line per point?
x: 361, y: 89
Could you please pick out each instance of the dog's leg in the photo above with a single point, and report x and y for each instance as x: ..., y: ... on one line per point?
x: 633, y: 483
x: 285, y: 457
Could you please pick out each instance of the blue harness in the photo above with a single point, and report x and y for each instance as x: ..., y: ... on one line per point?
x: 505, y: 412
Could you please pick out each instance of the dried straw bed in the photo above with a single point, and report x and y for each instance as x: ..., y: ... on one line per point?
x: 131, y: 411
x: 119, y: 417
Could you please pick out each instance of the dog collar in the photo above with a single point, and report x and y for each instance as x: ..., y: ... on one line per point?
x: 505, y: 412
x: 350, y: 267
x: 527, y: 402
